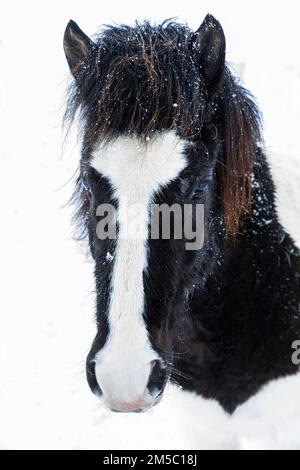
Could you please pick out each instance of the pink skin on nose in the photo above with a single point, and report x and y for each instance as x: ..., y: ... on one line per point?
x: 142, y: 404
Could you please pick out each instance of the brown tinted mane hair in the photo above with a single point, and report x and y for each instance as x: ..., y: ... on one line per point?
x: 239, y: 124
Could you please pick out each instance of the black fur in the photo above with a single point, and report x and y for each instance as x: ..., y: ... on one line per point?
x: 223, y: 318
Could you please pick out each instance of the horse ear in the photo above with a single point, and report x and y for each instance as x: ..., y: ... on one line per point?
x: 77, y: 46
x: 209, y: 39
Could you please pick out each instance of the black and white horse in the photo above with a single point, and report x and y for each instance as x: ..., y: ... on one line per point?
x: 165, y: 122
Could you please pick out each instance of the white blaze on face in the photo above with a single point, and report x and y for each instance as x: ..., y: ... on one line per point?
x: 136, y: 172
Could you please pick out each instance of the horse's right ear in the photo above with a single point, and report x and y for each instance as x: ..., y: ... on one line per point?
x: 77, y: 46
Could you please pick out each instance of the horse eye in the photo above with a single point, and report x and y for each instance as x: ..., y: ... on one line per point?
x: 200, y: 190
x: 86, y: 186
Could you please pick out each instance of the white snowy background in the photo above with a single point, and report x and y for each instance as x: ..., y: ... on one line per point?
x: 46, y: 300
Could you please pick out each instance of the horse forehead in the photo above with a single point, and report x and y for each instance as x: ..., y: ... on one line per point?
x: 148, y: 162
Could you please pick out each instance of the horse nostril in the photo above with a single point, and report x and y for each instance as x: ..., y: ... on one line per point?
x: 157, y: 377
x: 91, y: 376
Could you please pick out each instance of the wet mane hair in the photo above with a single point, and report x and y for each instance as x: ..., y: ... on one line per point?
x: 142, y: 79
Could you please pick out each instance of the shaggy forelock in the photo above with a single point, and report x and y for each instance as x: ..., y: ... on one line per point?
x: 141, y: 79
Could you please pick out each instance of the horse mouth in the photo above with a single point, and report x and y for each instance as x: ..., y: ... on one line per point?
x: 135, y: 407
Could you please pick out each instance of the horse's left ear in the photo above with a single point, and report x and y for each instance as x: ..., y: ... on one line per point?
x: 209, y: 40
x: 77, y: 46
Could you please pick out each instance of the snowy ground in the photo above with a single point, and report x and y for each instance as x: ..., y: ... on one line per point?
x: 46, y: 305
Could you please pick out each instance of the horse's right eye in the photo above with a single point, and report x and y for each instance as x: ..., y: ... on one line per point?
x: 86, y: 186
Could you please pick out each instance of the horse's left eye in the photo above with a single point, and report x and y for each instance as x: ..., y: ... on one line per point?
x: 200, y: 190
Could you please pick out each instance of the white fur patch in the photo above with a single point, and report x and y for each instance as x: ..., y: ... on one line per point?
x: 271, y: 419
x: 136, y: 171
